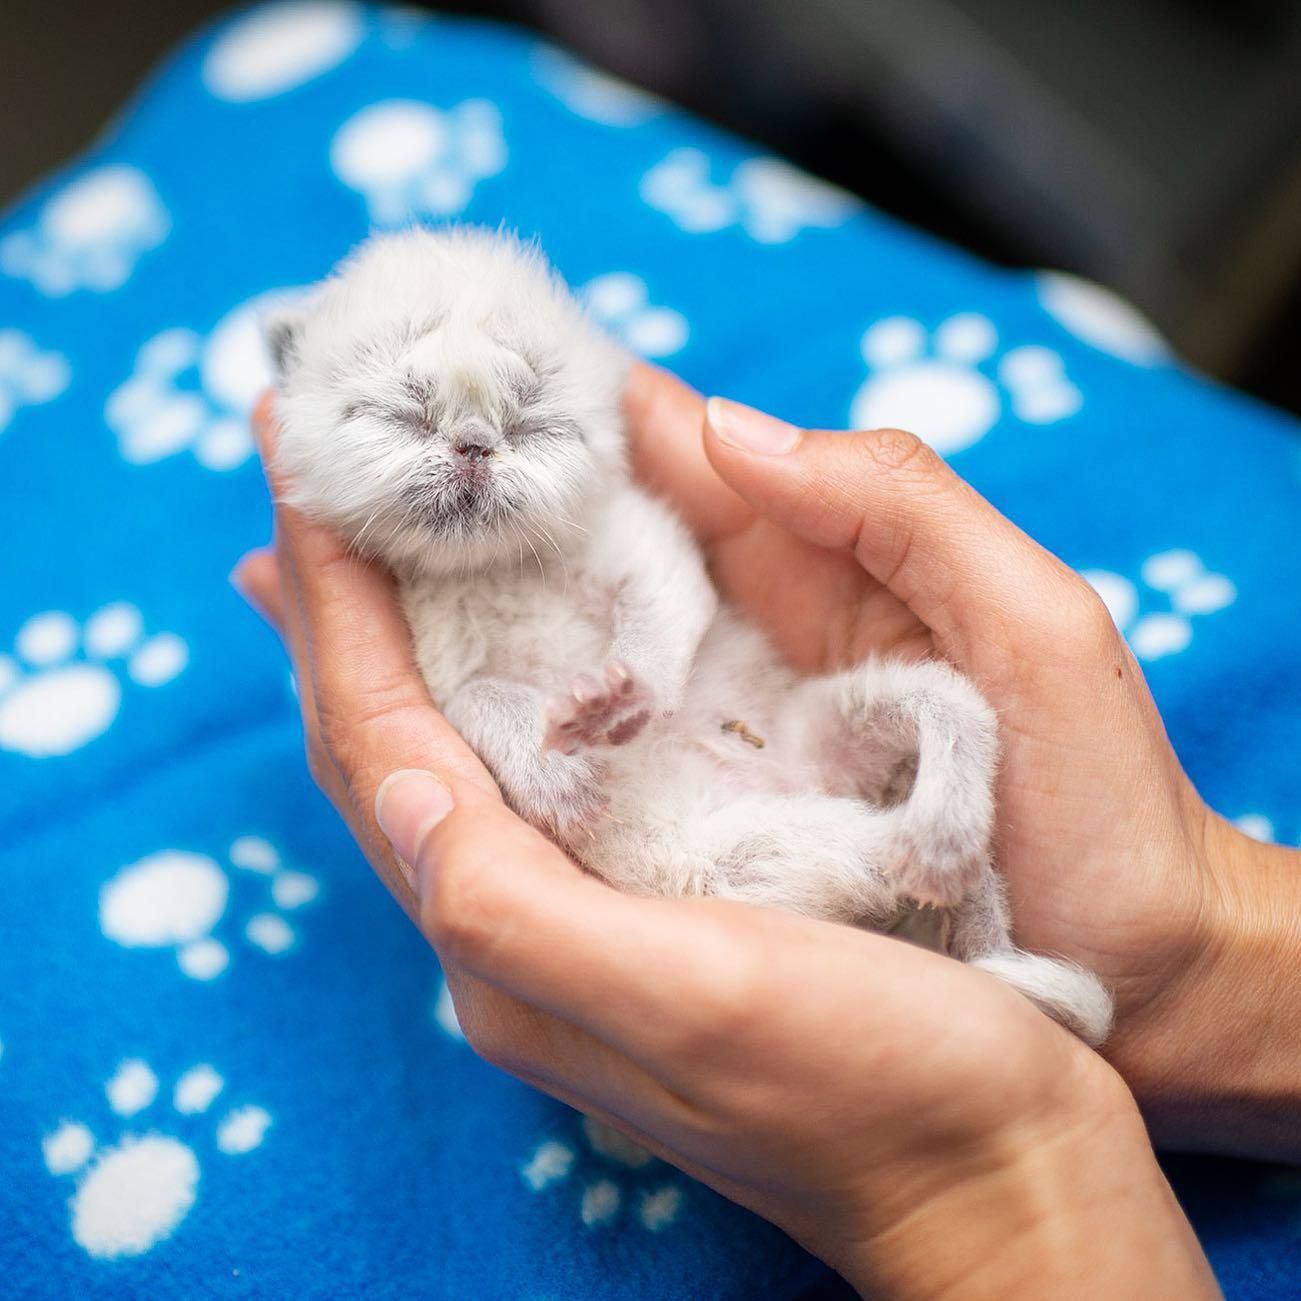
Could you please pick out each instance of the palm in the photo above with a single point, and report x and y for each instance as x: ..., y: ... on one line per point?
x: 819, y: 607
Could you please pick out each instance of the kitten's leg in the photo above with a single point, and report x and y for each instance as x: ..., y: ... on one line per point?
x: 663, y: 602
x: 918, y: 738
x: 810, y: 854
x: 502, y: 721
x: 980, y: 935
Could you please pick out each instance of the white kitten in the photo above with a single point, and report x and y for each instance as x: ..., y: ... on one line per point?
x: 449, y: 408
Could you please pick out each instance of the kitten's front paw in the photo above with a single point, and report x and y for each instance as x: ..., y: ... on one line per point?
x: 598, y: 711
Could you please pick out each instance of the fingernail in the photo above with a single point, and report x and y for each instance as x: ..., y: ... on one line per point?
x: 408, y: 805
x: 751, y: 430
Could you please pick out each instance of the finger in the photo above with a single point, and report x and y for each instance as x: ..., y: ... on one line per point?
x: 975, y: 579
x: 564, y: 1061
x: 501, y: 902
x: 262, y: 579
x: 588, y: 1075
x: 373, y: 708
x: 365, y: 708
x: 257, y: 579
x: 663, y: 981
x: 664, y: 418
x: 545, y: 1050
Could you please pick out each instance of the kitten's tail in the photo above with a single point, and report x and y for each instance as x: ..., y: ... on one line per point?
x: 1069, y: 994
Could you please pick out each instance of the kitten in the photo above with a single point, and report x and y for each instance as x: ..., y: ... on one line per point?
x: 449, y: 408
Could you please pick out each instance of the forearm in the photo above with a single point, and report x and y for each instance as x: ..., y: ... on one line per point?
x: 1221, y: 1065
x: 1078, y: 1212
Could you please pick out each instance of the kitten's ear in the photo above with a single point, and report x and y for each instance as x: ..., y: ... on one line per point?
x: 283, y: 329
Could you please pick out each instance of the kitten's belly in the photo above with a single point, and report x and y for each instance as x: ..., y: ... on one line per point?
x: 733, y: 733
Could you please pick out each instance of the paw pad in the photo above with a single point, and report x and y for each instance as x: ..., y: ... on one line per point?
x: 59, y: 691
x: 176, y: 900
x: 594, y: 95
x: 28, y: 375
x: 90, y: 234
x: 133, y: 1194
x: 189, y: 392
x: 410, y: 160
x: 281, y: 46
x: 621, y: 302
x: 935, y: 387
x: 598, y: 711
x: 771, y: 201
x: 611, y: 1170
x: 1179, y: 588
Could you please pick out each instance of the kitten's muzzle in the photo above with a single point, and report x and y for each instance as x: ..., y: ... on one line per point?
x: 473, y: 452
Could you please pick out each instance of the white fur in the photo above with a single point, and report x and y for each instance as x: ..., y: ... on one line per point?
x: 565, y: 624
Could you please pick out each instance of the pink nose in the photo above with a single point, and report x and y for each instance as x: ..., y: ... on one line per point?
x: 473, y: 452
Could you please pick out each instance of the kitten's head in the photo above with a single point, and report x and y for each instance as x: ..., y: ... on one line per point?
x: 445, y: 403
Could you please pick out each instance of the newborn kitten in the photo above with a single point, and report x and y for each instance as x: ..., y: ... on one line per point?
x: 448, y: 407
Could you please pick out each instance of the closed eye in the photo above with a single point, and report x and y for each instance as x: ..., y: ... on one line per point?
x: 550, y: 427
x: 408, y: 419
x: 355, y: 410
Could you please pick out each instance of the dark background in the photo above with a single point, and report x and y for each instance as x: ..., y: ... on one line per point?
x: 1154, y: 145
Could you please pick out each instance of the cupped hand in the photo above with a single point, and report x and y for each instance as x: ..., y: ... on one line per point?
x: 843, y: 545
x: 911, y: 1120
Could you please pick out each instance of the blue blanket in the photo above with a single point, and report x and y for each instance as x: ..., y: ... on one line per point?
x: 229, y: 1065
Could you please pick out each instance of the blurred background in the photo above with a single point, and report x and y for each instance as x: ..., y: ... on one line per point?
x: 1153, y: 145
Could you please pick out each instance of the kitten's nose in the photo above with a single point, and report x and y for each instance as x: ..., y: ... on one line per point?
x: 472, y: 451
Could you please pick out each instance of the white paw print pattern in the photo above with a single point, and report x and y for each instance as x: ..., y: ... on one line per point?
x: 1258, y: 827
x: 28, y: 375
x: 62, y: 687
x: 191, y: 393
x: 443, y: 1012
x: 1261, y: 827
x: 89, y: 235
x: 132, y: 1195
x: 595, y: 95
x: 1101, y: 319
x: 767, y: 198
x: 611, y: 1171
x: 935, y: 388
x: 1183, y: 588
x: 281, y: 46
x: 411, y: 161
x: 175, y: 900
x: 621, y: 302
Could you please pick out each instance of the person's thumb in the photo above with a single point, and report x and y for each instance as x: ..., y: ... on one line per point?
x: 474, y: 866
x: 963, y: 569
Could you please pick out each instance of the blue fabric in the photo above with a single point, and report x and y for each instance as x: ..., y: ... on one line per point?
x: 227, y: 1066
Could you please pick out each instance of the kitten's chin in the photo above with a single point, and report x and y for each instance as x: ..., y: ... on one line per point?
x: 422, y: 551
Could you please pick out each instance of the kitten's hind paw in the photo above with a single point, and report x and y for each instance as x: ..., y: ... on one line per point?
x: 933, y: 875
x: 598, y: 711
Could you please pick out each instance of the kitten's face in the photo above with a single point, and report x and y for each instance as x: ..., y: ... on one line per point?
x: 474, y: 436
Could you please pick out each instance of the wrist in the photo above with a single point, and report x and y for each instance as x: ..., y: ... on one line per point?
x: 1214, y: 1062
x: 1068, y: 1204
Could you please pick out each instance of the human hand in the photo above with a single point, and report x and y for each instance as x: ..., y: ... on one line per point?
x: 911, y: 1120
x: 842, y: 545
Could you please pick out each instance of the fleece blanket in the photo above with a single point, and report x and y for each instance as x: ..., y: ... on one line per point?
x: 229, y: 1065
